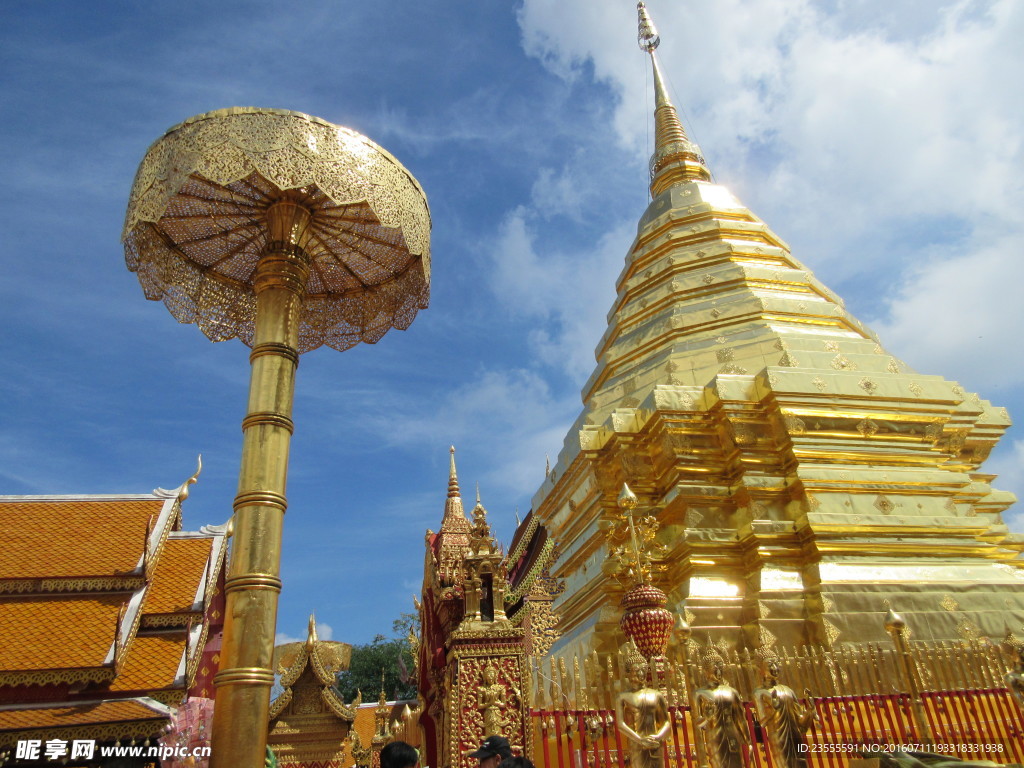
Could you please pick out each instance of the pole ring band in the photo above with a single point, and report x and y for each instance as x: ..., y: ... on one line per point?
x: 260, y: 498
x: 270, y: 418
x: 252, y: 581
x: 274, y: 348
x: 244, y: 676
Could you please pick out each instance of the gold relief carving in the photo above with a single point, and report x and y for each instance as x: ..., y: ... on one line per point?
x: 957, y: 440
x: 682, y: 443
x: 773, y: 380
x: 57, y: 676
x: 813, y: 502
x: 867, y: 428
x: 725, y: 355
x: 878, y: 349
x: 819, y: 383
x: 635, y: 466
x: 701, y: 254
x: 933, y: 431
x: 124, y: 731
x: 741, y: 433
x: 893, y: 366
x: 957, y: 392
x: 868, y: 386
x: 627, y: 402
x: 708, y: 279
x: 1004, y: 413
x: 716, y: 314
x: 721, y: 339
x: 152, y: 620
x: 766, y: 637
x: 801, y: 307
x: 734, y: 369
x: 972, y: 512
x: 883, y: 504
x: 915, y: 388
x: 826, y: 604
x: 831, y: 346
x: 628, y: 386
x: 842, y: 363
x: 787, y: 360
x: 950, y: 506
x: 693, y: 518
x: 648, y: 274
x: 794, y: 424
x: 831, y: 631
x: 19, y: 585
x: 968, y: 630
x: 949, y: 603
x: 643, y: 303
x: 763, y: 611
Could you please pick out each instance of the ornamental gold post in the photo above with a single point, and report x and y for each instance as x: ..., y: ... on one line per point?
x: 289, y: 233
x: 897, y: 627
x: 253, y: 579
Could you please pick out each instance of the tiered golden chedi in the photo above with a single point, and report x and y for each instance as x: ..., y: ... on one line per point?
x: 801, y: 474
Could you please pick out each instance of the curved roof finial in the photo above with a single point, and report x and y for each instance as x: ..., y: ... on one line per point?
x: 183, y: 488
x: 676, y: 159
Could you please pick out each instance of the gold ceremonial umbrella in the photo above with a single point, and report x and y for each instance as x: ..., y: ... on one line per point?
x: 286, y: 232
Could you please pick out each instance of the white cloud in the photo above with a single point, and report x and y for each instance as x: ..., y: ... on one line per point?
x: 961, y: 317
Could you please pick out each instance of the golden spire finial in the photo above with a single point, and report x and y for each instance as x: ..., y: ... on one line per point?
x: 676, y: 158
x: 453, y: 479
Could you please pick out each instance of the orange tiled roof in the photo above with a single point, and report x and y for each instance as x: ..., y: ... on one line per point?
x: 58, y: 632
x: 178, y: 575
x: 151, y: 663
x: 76, y: 714
x: 70, y: 538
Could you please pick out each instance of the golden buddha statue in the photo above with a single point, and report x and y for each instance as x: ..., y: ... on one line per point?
x: 720, y: 714
x: 643, y: 716
x: 782, y: 715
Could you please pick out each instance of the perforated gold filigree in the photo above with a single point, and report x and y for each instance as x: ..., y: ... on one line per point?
x: 195, y: 227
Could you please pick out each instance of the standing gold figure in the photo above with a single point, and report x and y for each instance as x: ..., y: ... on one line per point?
x: 643, y: 717
x: 783, y: 717
x: 1015, y: 677
x: 491, y: 701
x: 720, y: 714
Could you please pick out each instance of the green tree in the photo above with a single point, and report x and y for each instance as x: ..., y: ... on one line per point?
x: 392, y: 656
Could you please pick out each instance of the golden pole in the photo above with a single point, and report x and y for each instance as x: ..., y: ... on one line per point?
x: 253, y: 580
x: 897, y: 627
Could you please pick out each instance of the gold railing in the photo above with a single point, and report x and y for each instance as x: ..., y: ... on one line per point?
x: 947, y: 698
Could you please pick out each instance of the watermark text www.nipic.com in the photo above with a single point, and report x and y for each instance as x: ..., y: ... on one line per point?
x: 59, y: 749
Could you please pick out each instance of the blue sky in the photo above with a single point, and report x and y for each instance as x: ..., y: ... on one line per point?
x: 882, y: 140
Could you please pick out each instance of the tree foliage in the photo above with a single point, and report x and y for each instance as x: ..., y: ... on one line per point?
x: 392, y: 656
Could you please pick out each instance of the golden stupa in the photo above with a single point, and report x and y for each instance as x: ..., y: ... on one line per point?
x: 803, y: 477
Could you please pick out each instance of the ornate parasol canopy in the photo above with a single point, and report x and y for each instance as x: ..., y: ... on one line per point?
x: 196, y: 225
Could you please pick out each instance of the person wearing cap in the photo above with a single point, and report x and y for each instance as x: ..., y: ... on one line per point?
x: 492, y: 752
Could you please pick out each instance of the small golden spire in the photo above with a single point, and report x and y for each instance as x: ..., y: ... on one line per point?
x: 311, y: 637
x: 453, y: 479
x: 676, y: 159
